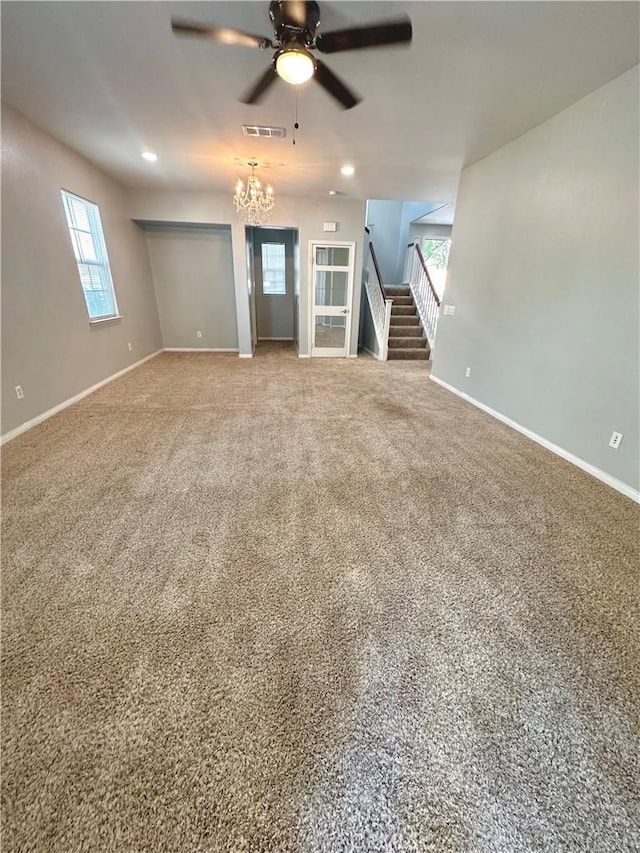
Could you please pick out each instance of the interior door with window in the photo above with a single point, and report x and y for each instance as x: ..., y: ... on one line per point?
x: 274, y: 281
x: 332, y: 283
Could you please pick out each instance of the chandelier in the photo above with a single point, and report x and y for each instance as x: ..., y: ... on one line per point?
x: 252, y: 202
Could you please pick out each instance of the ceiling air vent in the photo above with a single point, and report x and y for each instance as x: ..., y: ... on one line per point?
x: 264, y: 132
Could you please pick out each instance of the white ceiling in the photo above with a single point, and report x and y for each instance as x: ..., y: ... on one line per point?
x: 111, y: 80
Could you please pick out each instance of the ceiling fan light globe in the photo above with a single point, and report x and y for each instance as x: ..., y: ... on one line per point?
x: 295, y: 66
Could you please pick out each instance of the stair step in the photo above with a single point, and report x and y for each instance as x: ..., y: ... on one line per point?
x: 393, y: 290
x: 408, y: 320
x: 405, y: 331
x: 407, y: 343
x: 404, y: 310
x: 406, y: 354
x: 400, y: 300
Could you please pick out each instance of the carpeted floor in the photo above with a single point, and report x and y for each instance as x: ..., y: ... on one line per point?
x: 317, y: 606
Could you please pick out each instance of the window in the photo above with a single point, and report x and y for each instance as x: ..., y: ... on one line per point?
x: 436, y: 255
x: 83, y: 219
x: 273, y: 274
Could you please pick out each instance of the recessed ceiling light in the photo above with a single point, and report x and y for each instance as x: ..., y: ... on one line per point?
x: 347, y: 170
x: 150, y: 156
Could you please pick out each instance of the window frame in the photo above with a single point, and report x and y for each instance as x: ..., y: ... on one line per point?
x: 283, y: 269
x: 99, y: 263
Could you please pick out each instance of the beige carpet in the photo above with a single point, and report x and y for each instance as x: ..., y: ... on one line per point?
x: 311, y: 605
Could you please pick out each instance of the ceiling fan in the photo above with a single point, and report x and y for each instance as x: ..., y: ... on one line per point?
x: 295, y: 23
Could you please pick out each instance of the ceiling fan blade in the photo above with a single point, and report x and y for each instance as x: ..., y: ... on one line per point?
x: 260, y: 87
x: 335, y: 86
x: 375, y: 35
x: 225, y: 35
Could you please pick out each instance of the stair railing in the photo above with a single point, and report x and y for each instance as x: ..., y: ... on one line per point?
x: 378, y: 302
x: 424, y: 293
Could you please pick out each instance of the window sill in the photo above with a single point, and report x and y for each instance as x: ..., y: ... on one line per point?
x: 100, y: 320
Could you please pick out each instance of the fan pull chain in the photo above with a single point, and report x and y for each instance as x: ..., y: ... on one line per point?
x: 295, y: 102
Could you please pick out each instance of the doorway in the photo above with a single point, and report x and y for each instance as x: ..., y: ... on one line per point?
x: 274, y: 278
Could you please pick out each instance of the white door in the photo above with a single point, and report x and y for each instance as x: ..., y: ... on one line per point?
x: 331, y: 298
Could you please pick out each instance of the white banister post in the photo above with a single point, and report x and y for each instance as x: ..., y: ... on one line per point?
x: 385, y: 334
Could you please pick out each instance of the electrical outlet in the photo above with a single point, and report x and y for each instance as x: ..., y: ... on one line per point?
x: 467, y: 372
x: 614, y: 441
x: 198, y: 334
x: 19, y: 392
x: 129, y: 345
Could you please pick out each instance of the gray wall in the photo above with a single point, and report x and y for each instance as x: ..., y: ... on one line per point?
x: 48, y: 346
x: 193, y: 280
x: 307, y: 215
x: 544, y: 276
x: 384, y: 219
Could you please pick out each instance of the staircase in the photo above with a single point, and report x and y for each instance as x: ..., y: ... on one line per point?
x: 406, y: 336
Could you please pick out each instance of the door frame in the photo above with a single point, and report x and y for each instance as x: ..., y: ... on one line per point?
x: 250, y: 234
x: 325, y: 352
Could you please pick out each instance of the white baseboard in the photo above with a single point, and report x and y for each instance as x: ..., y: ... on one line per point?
x: 200, y: 349
x: 27, y: 425
x: 303, y: 355
x: 245, y: 354
x: 616, y: 484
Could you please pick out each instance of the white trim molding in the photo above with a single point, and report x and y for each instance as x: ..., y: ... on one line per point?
x: 245, y: 354
x: 200, y: 349
x: 27, y: 425
x: 598, y: 473
x: 99, y: 320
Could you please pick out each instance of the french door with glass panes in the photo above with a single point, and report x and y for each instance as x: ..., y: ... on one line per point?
x: 331, y: 297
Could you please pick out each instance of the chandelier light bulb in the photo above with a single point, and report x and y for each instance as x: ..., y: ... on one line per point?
x: 295, y: 66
